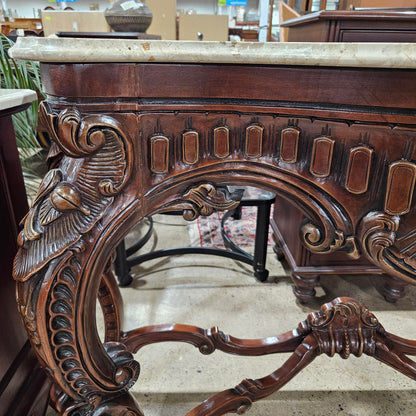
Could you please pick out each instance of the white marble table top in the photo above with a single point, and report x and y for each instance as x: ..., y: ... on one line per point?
x: 14, y: 98
x: 53, y: 49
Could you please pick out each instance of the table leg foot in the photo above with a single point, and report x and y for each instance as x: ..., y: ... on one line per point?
x: 394, y: 289
x: 304, y: 287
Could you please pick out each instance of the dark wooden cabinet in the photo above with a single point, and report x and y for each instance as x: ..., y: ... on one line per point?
x: 353, y: 26
x: 308, y: 267
x: 23, y: 386
x: 335, y: 26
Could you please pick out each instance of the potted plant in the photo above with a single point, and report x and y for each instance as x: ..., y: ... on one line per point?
x: 24, y: 75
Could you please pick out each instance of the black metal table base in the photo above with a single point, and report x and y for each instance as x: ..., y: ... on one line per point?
x: 124, y: 262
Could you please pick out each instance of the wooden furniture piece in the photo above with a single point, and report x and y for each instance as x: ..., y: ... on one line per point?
x: 30, y: 26
x: 353, y: 26
x: 336, y: 26
x: 346, y: 4
x: 141, y: 127
x: 285, y: 13
x: 307, y: 267
x: 23, y: 385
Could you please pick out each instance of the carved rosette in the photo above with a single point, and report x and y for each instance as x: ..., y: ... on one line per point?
x: 55, y: 246
x: 344, y: 326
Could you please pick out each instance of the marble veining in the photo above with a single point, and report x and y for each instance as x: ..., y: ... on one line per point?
x: 53, y: 49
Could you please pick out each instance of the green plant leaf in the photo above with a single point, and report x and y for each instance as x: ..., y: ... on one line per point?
x: 23, y: 75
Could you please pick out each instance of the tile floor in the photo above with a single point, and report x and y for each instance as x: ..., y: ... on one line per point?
x: 207, y: 291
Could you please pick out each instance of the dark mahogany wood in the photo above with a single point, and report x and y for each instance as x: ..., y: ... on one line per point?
x: 307, y: 267
x: 131, y: 140
x: 23, y: 384
x: 353, y: 26
x: 388, y: 25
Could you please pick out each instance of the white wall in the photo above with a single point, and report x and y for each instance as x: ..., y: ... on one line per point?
x: 25, y: 8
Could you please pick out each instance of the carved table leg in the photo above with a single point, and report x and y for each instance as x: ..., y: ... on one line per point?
x: 68, y: 237
x: 304, y: 287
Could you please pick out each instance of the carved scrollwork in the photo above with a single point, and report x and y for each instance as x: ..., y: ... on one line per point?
x: 327, y: 242
x: 73, y: 197
x: 55, y: 280
x: 62, y: 336
x: 377, y: 232
x: 204, y: 199
x: 122, y: 405
x: 344, y: 326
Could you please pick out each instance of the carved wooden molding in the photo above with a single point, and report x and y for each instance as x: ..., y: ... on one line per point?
x: 204, y: 199
x: 344, y: 326
x: 289, y: 144
x: 51, y: 264
x: 254, y: 141
x: 159, y: 154
x: 72, y: 198
x: 400, y: 187
x: 358, y: 170
x: 377, y: 232
x: 190, y: 147
x: 221, y: 142
x: 321, y: 161
x: 328, y: 241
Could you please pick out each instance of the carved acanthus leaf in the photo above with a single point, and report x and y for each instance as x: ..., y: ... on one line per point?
x: 344, y: 326
x: 74, y: 196
x: 204, y: 199
x: 377, y: 232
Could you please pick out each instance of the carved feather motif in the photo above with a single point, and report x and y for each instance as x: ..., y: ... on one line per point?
x: 70, y: 201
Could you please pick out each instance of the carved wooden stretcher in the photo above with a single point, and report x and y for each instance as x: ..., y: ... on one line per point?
x: 144, y: 131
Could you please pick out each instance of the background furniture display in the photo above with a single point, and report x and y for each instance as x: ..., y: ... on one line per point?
x: 23, y: 384
x: 154, y: 131
x: 212, y: 27
x: 32, y: 27
x: 353, y: 26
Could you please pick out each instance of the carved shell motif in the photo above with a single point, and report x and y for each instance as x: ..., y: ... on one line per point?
x: 74, y: 196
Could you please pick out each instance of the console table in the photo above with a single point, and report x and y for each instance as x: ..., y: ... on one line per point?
x: 142, y: 127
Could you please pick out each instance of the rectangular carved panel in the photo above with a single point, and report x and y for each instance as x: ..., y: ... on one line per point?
x: 221, y: 142
x: 322, y: 151
x: 358, y: 171
x: 190, y: 147
x: 289, y: 142
x: 254, y: 141
x: 159, y: 154
x: 400, y: 187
